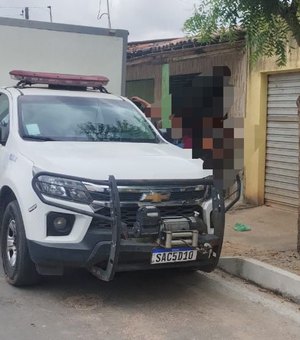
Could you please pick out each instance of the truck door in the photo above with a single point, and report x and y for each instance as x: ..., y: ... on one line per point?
x: 4, y: 130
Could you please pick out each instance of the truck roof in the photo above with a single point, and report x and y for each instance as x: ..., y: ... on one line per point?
x: 45, y: 91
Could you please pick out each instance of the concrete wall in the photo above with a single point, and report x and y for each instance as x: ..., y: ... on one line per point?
x: 255, y: 121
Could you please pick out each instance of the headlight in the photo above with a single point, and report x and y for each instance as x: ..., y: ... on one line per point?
x: 62, y: 188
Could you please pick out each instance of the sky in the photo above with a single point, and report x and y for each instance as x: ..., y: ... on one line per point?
x: 144, y: 19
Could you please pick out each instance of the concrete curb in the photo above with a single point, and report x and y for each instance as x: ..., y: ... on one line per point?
x: 280, y: 281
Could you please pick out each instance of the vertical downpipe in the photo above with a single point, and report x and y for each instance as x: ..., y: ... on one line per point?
x: 166, y: 102
x: 298, y: 222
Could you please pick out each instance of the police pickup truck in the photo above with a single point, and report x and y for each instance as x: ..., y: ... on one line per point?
x: 87, y: 181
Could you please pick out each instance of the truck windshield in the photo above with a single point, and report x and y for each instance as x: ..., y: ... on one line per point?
x: 59, y: 118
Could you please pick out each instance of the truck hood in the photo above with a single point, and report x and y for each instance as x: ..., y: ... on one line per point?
x: 123, y: 160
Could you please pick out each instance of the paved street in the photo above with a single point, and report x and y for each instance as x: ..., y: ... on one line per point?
x: 144, y: 306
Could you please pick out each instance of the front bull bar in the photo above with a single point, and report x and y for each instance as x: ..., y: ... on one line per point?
x: 108, y: 273
x: 114, y: 219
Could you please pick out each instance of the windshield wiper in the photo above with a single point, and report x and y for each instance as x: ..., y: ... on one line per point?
x: 139, y: 140
x: 39, y: 138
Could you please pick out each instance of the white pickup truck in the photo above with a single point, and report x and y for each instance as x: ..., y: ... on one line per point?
x: 87, y: 181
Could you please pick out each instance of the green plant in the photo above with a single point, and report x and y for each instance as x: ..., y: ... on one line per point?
x: 267, y: 24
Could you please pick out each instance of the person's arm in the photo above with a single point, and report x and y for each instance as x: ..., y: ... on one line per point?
x: 141, y: 101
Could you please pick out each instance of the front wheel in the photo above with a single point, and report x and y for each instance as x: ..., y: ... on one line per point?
x: 18, y: 267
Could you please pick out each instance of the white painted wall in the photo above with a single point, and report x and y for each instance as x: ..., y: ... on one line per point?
x: 43, y: 50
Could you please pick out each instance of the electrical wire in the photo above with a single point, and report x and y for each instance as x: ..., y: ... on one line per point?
x: 41, y: 8
x: 29, y: 7
x: 3, y: 7
x: 6, y: 7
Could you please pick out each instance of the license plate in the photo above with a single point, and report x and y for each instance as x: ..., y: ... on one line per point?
x: 173, y: 255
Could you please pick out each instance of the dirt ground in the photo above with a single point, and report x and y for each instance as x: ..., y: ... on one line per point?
x: 272, y: 238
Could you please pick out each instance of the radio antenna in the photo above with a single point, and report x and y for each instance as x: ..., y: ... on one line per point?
x: 100, y: 15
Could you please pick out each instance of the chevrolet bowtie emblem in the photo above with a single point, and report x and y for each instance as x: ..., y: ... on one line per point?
x: 155, y: 197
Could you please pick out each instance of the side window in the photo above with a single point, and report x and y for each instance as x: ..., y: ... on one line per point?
x: 4, y: 117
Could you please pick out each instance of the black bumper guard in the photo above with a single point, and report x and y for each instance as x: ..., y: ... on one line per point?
x: 115, y: 221
x: 236, y: 194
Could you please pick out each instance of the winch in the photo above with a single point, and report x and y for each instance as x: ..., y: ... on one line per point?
x: 176, y: 231
x: 172, y: 231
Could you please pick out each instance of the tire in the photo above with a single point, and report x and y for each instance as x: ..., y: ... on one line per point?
x: 212, y: 266
x: 18, y: 267
x: 209, y: 268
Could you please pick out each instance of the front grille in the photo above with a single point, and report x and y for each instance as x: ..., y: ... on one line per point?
x: 184, y: 200
x: 124, y: 196
x: 129, y: 214
x: 136, y: 196
x: 186, y: 196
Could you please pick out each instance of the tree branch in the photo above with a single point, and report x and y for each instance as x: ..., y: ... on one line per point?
x: 289, y: 14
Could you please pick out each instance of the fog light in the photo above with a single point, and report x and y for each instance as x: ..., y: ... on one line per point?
x: 60, y: 223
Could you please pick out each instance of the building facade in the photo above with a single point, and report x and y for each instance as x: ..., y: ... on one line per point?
x: 272, y: 132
